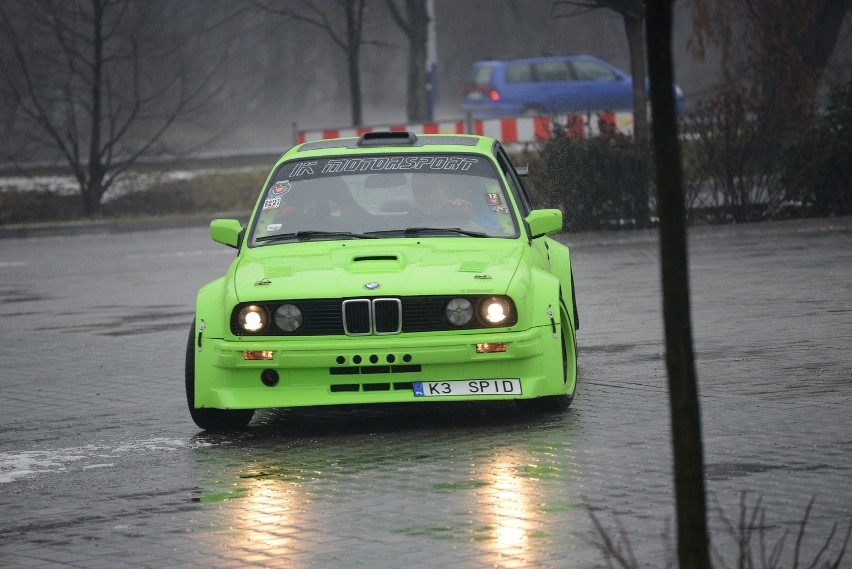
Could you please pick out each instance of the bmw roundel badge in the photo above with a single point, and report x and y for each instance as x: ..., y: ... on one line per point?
x: 371, y: 286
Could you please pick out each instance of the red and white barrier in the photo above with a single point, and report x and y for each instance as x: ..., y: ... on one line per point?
x: 518, y: 130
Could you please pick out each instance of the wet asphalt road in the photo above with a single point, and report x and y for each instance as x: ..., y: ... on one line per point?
x: 101, y: 466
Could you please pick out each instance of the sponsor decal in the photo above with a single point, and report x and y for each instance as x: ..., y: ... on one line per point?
x: 280, y: 188
x: 500, y: 209
x: 303, y: 169
x: 394, y: 163
x: 273, y: 227
x: 271, y: 203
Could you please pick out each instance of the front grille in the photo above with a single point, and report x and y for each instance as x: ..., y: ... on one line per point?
x: 387, y: 316
x: 356, y: 317
x: 364, y: 316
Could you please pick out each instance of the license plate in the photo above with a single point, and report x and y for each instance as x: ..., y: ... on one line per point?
x: 467, y: 387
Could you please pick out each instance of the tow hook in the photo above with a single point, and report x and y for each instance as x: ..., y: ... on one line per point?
x: 552, y: 321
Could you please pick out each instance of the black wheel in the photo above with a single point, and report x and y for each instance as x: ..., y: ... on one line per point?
x: 210, y: 419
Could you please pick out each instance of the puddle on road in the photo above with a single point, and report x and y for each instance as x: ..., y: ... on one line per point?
x: 495, y: 483
x: 27, y: 464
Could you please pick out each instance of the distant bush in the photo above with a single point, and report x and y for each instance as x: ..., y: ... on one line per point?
x: 26, y: 206
x: 597, y: 182
x: 206, y: 193
x: 817, y: 170
x: 731, y: 166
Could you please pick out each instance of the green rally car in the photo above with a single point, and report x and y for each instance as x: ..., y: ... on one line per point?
x: 388, y: 268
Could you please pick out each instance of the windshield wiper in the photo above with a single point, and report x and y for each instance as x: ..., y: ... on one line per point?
x: 308, y: 235
x: 458, y: 230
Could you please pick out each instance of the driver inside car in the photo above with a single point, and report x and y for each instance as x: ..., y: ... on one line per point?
x: 464, y: 206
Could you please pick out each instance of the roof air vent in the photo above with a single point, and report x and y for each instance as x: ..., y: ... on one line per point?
x: 384, y: 138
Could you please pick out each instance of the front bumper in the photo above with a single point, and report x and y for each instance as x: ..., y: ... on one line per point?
x: 374, y: 369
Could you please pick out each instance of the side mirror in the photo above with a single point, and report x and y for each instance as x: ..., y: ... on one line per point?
x: 226, y: 231
x: 544, y: 222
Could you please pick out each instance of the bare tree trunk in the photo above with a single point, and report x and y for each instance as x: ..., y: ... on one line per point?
x: 354, y: 11
x: 636, y: 44
x: 692, y: 540
x: 93, y: 191
x: 415, y: 26
x: 634, y: 29
x: 418, y: 19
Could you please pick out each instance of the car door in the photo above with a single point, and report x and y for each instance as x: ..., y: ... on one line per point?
x: 556, y: 89
x: 598, y: 88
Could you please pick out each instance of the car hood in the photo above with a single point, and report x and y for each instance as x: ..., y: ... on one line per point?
x: 402, y: 267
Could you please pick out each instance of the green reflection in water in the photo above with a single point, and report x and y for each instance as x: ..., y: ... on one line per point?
x: 299, y: 483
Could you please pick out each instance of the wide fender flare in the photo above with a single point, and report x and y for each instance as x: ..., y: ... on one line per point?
x: 210, y: 317
x: 539, y: 299
x: 560, y: 264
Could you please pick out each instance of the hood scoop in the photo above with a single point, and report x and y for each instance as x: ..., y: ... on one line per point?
x: 375, y: 262
x: 375, y: 258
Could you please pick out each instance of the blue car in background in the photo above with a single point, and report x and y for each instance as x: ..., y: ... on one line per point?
x: 548, y: 85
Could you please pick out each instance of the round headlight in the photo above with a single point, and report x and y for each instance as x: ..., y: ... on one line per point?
x: 288, y: 317
x: 459, y: 311
x: 494, y: 311
x: 253, y: 319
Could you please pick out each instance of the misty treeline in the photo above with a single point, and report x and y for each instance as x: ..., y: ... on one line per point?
x: 100, y: 85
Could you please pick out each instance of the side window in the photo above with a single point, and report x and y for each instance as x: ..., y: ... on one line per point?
x: 591, y: 71
x: 480, y: 76
x: 519, y: 73
x: 552, y: 71
x: 515, y: 186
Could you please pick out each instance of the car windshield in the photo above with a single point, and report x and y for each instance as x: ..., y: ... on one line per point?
x: 380, y: 196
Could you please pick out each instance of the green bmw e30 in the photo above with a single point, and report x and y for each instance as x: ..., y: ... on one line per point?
x: 387, y: 268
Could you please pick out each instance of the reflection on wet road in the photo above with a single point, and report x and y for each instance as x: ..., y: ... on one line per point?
x: 483, y: 478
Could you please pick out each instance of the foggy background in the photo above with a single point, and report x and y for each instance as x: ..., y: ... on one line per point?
x: 285, y: 72
x: 262, y: 73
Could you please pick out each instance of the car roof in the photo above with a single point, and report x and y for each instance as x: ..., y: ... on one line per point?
x: 394, y: 142
x: 538, y: 59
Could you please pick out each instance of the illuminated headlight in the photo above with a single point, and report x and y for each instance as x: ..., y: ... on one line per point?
x: 459, y: 311
x: 253, y: 319
x: 288, y: 317
x: 495, y: 311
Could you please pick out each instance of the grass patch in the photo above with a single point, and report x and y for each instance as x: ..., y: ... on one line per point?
x: 205, y: 193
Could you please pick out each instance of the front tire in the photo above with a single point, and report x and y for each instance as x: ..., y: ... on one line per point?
x: 210, y: 419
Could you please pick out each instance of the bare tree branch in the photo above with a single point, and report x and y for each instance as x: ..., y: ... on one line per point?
x: 78, y: 78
